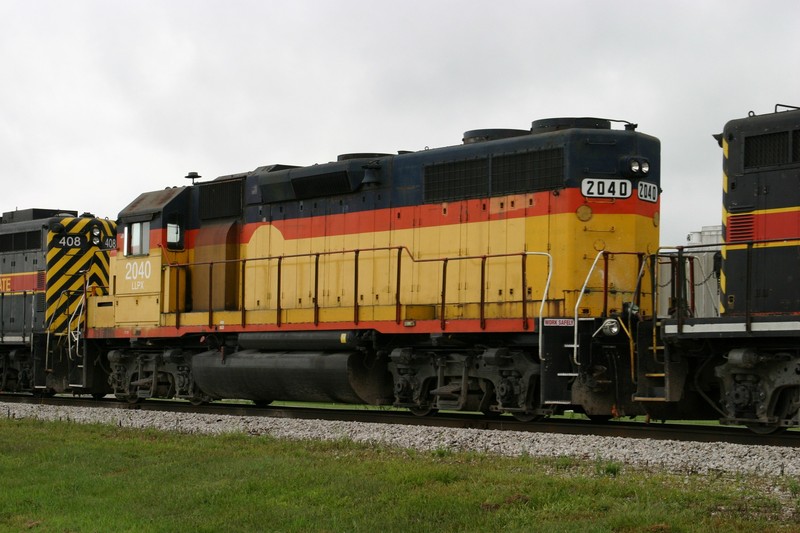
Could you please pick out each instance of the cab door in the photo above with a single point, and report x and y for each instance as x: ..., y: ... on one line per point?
x: 137, y: 276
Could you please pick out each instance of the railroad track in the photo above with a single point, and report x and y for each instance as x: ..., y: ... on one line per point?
x: 614, y: 428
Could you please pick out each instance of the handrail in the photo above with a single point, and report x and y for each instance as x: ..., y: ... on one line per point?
x: 606, y: 255
x: 577, y: 306
x: 747, y: 246
x: 357, y: 254
x: 678, y: 280
x: 77, y: 315
x: 544, y: 298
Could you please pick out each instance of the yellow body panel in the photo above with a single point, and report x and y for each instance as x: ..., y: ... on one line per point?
x: 137, y: 282
x: 321, y: 271
x: 100, y: 312
x: 573, y: 244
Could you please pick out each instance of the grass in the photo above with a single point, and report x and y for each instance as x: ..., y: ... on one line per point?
x: 57, y: 476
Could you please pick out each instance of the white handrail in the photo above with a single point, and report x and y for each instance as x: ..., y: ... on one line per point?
x: 544, y: 296
x: 75, y: 336
x: 577, y: 306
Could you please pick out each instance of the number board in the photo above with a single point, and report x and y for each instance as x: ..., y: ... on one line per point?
x: 69, y: 241
x: 648, y: 191
x: 80, y: 241
x: 606, y: 188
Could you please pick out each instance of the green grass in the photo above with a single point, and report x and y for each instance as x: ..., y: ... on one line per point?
x: 69, y: 477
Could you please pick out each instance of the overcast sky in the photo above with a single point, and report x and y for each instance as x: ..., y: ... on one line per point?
x: 101, y: 100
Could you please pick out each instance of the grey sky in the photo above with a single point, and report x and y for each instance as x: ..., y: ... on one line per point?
x: 101, y: 100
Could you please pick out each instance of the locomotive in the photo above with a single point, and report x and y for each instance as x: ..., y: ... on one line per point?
x: 519, y: 272
x: 470, y: 277
x: 747, y: 360
x: 50, y: 261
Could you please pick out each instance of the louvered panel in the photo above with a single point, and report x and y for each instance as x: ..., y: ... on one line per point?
x: 740, y: 228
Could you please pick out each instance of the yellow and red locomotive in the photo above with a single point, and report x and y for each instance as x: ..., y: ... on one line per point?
x: 467, y: 277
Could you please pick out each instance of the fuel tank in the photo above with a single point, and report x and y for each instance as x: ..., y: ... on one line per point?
x: 351, y: 377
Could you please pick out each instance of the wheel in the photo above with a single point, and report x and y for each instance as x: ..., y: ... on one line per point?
x: 766, y: 429
x: 262, y: 403
x: 785, y: 407
x: 98, y: 395
x: 131, y: 399
x: 526, y: 417
x: 422, y: 411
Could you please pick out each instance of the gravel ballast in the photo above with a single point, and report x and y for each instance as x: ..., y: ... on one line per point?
x: 672, y: 456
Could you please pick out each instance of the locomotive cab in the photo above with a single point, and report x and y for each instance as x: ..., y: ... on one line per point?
x: 151, y: 233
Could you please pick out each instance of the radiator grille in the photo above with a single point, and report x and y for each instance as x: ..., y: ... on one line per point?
x: 532, y: 171
x: 766, y: 150
x: 40, y: 302
x: 456, y: 180
x: 740, y: 228
x: 526, y: 172
x: 221, y: 199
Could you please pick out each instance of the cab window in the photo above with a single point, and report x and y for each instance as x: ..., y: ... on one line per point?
x: 137, y: 238
x: 174, y: 233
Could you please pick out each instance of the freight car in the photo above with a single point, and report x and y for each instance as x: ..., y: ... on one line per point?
x: 485, y: 276
x: 49, y: 261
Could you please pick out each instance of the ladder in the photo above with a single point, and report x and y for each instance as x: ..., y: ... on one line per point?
x: 658, y: 378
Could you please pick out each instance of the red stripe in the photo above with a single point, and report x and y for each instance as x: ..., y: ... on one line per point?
x: 433, y: 215
x: 507, y: 325
x: 759, y: 226
x: 780, y: 225
x: 24, y: 282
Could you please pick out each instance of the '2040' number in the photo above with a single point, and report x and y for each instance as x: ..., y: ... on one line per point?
x: 605, y: 188
x: 136, y: 270
x: 648, y: 191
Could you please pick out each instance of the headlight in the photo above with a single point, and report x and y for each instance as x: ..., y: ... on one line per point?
x: 96, y: 240
x: 610, y: 327
x: 96, y: 231
x: 634, y: 166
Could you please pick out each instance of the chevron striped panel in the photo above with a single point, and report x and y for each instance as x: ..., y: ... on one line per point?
x: 77, y: 257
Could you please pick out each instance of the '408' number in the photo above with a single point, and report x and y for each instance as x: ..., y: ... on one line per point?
x: 70, y: 241
x: 138, y: 270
